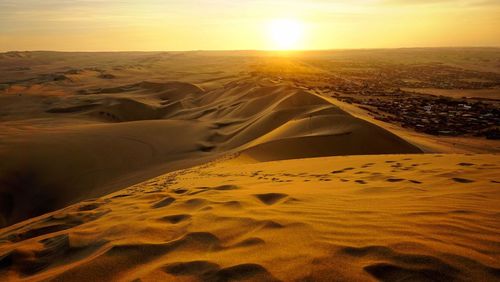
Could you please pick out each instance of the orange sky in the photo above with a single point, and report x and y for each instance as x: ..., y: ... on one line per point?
x: 95, y: 25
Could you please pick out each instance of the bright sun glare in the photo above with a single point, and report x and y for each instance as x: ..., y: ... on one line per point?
x: 285, y: 34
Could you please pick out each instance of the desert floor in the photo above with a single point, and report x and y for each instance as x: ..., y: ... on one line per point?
x: 224, y: 166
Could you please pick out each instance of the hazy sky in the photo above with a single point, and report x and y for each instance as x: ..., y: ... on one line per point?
x: 232, y: 24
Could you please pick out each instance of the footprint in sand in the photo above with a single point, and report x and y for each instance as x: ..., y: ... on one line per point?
x: 176, y: 218
x: 462, y: 180
x: 192, y: 268
x: 209, y: 271
x: 360, y: 181
x: 342, y: 170
x: 180, y: 191
x: 465, y: 164
x: 199, y: 190
x: 253, y: 241
x: 121, y: 196
x: 387, y: 272
x: 216, y: 188
x: 270, y: 198
x: 163, y: 203
x: 226, y: 187
x: 411, y: 266
x: 394, y: 179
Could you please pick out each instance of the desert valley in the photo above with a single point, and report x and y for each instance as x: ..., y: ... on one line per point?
x: 347, y: 165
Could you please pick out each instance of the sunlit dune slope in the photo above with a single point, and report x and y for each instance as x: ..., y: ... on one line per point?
x: 350, y: 218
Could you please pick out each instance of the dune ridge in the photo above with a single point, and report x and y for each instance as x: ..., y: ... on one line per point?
x: 114, y: 137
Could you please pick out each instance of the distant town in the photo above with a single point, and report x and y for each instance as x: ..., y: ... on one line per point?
x: 436, y: 116
x: 399, y: 94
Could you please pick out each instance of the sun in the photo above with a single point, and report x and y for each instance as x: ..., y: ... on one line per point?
x: 285, y: 34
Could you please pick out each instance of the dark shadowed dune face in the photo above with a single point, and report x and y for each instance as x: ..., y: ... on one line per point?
x: 71, y: 135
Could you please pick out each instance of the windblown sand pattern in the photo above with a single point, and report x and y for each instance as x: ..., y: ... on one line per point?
x: 294, y: 220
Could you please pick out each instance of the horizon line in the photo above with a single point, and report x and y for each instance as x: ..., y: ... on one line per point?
x: 254, y: 50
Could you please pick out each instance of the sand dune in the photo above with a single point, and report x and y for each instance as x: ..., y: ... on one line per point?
x: 174, y: 166
x: 124, y: 134
x: 44, y: 170
x: 362, y: 218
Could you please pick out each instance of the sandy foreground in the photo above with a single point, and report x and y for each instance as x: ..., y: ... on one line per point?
x: 362, y: 218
